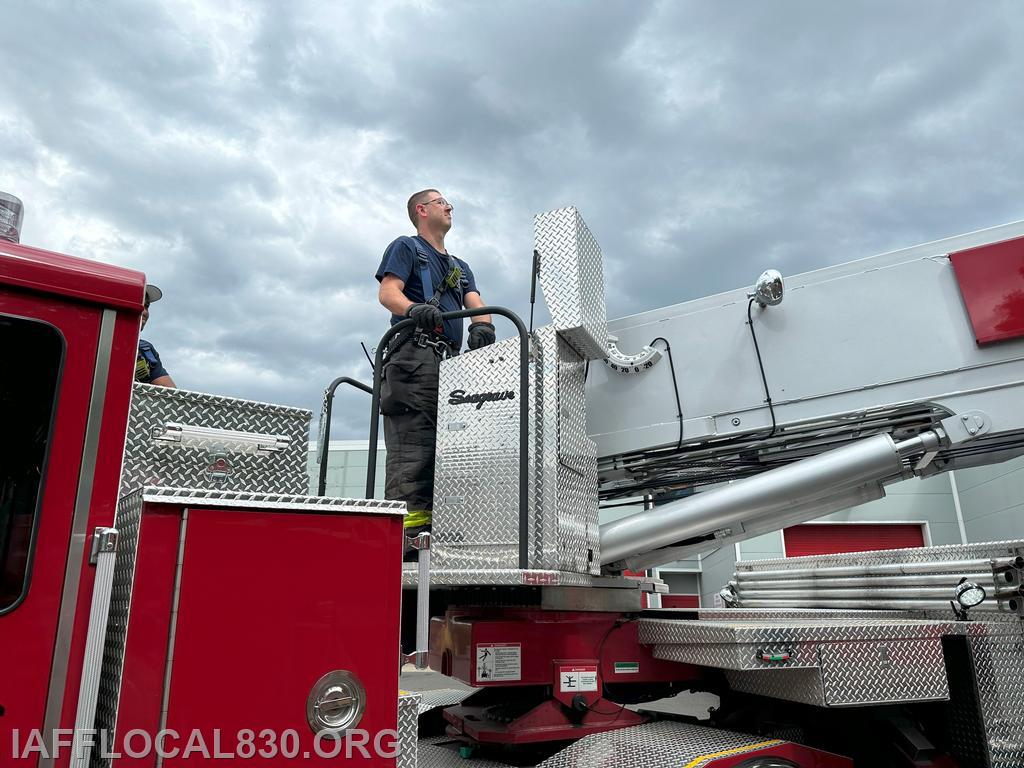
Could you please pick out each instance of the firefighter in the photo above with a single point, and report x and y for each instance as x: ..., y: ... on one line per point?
x: 148, y: 368
x: 419, y: 279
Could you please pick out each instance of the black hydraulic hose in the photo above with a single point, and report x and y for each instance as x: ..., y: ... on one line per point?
x: 321, y: 488
x: 524, y: 410
x: 760, y: 364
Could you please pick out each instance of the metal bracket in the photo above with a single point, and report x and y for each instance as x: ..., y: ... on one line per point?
x: 244, y: 442
x: 620, y: 362
x: 417, y: 658
x: 1008, y: 575
x: 966, y: 426
x: 103, y: 540
x: 420, y: 541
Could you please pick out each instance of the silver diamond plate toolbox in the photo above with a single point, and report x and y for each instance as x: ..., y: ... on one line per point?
x: 476, y: 491
x: 195, y: 440
x: 824, y: 662
x: 572, y: 278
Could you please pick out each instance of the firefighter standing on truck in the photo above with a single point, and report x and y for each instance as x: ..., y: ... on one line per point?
x: 149, y: 369
x: 419, y: 279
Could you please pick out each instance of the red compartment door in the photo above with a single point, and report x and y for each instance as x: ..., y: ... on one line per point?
x: 991, y: 279
x: 271, y: 601
x: 831, y: 539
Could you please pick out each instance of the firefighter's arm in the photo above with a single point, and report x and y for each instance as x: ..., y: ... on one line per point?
x: 164, y: 381
x: 472, y: 301
x: 391, y: 297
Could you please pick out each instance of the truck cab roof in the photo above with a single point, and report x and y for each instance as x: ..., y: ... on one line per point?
x: 90, y: 281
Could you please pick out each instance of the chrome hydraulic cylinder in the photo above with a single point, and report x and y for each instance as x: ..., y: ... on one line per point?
x: 777, y: 491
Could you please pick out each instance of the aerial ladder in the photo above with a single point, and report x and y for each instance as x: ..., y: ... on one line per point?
x: 728, y: 417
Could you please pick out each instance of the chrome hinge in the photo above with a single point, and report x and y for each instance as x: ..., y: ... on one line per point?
x: 103, y: 540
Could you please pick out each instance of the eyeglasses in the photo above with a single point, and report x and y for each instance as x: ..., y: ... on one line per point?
x: 444, y: 203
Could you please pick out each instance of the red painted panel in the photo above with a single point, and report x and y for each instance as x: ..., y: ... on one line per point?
x: 145, y: 654
x: 542, y: 637
x: 680, y: 601
x: 991, y: 279
x: 71, y: 277
x: 830, y: 539
x: 270, y: 602
x: 106, y: 484
x: 28, y: 632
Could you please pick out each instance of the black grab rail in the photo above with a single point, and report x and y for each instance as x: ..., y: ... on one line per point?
x: 325, y: 428
x: 524, y: 409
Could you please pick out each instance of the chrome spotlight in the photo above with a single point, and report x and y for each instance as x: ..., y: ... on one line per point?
x: 967, y: 595
x: 768, y: 289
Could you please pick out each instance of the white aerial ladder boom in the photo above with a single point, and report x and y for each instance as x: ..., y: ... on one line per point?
x: 872, y: 361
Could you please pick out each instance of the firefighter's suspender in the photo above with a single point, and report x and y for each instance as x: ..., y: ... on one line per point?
x: 423, y: 256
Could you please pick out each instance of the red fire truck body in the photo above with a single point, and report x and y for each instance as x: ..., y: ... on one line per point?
x: 236, y: 629
x: 88, y: 314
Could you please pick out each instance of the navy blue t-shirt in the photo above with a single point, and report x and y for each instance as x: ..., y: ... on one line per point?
x: 147, y: 364
x: 400, y: 260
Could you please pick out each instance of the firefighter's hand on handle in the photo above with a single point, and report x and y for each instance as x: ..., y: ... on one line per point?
x: 427, y: 316
x: 480, y: 335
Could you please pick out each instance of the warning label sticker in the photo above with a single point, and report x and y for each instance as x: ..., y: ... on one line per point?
x: 498, y: 662
x: 572, y: 679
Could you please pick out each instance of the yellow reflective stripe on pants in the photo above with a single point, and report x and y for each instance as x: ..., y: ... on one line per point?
x: 417, y: 517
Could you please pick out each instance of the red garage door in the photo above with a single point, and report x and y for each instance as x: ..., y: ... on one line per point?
x: 818, y: 539
x: 680, y: 601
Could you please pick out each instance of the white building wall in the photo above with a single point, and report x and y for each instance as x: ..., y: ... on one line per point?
x: 346, y: 469
x: 992, y: 500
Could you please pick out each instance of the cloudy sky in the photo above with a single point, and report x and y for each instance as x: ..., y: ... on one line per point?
x: 254, y: 158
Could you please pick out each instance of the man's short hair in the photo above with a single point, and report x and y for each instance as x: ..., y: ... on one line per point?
x: 420, y: 197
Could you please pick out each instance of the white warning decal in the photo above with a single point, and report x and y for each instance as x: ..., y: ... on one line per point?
x: 573, y: 679
x: 497, y: 662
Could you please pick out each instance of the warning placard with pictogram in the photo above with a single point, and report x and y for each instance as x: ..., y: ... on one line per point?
x: 577, y: 678
x: 498, y: 662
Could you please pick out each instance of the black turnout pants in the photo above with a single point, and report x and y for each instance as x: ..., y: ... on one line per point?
x: 409, y: 405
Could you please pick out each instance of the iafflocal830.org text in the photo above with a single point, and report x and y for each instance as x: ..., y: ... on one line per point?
x: 213, y: 744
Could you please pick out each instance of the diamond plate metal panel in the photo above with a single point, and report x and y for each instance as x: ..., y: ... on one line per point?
x: 149, y: 462
x: 476, y: 491
x: 930, y: 557
x: 780, y: 614
x: 283, y: 501
x: 408, y: 728
x: 741, y: 657
x: 801, y: 685
x: 831, y: 662
x: 126, y: 520
x: 567, y: 519
x: 999, y: 668
x: 511, y: 577
x: 572, y: 279
x: 668, y: 631
x: 655, y: 745
x: 442, y: 697
x: 443, y: 752
x: 883, y: 672
x: 476, y: 476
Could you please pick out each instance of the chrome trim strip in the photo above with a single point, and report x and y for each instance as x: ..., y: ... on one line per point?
x: 104, y: 539
x: 76, y: 548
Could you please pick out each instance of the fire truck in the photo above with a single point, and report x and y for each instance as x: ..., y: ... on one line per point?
x: 169, y: 592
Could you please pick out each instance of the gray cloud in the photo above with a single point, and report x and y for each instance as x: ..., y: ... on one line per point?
x: 254, y: 158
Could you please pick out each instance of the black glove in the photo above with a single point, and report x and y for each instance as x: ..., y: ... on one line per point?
x: 480, y: 335
x: 427, y: 316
